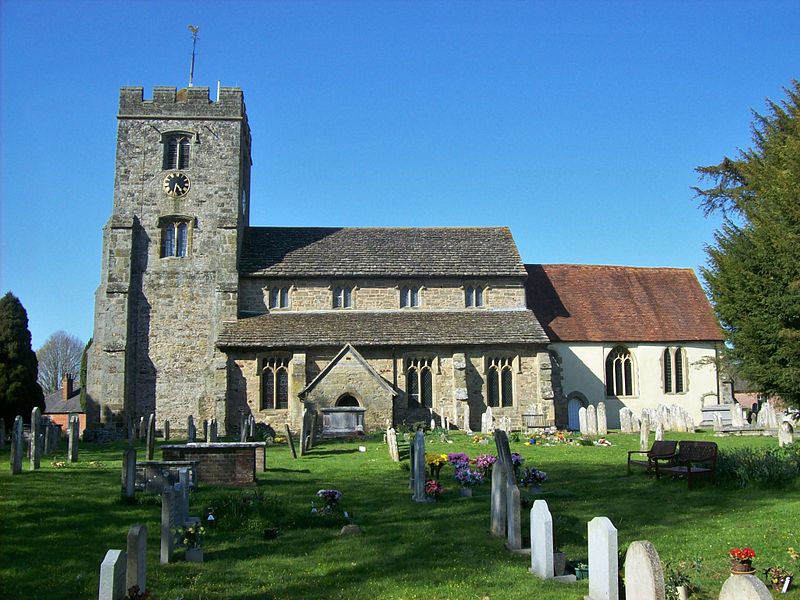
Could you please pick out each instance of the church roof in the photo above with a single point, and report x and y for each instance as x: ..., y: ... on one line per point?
x: 395, y: 252
x: 382, y: 328
x: 597, y: 303
x: 54, y: 402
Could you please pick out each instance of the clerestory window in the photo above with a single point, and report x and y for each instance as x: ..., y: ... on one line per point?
x: 409, y: 297
x: 275, y: 384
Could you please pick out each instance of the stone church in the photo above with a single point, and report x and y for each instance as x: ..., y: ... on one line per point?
x: 199, y: 313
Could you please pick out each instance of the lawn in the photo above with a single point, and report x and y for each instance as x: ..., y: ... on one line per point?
x: 57, y: 523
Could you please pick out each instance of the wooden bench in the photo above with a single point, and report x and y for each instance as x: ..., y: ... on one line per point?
x: 660, y: 450
x: 533, y: 421
x: 693, y: 460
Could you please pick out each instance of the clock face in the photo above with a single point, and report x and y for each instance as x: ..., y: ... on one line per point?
x: 176, y: 184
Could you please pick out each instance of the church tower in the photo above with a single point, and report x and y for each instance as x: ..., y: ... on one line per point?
x: 169, y: 275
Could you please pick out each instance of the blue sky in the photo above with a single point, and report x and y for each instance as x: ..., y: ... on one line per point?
x: 577, y: 124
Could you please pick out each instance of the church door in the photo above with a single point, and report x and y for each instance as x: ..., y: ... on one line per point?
x: 573, y: 407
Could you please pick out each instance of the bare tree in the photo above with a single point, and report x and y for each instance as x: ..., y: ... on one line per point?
x: 60, y: 354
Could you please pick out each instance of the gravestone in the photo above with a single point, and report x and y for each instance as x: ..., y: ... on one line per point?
x: 36, y: 433
x: 454, y: 420
x: 151, y: 436
x: 303, y: 431
x: 498, y: 516
x: 744, y: 587
x: 513, y: 518
x: 243, y: 425
x: 484, y: 427
x: 644, y: 433
x: 137, y: 558
x: 142, y: 428
x: 205, y: 430
x: 625, y: 415
x: 191, y: 431
x: 591, y: 420
x: 635, y: 423
x: 785, y: 434
x: 659, y: 431
x: 112, y: 576
x: 718, y: 425
x: 602, y: 421
x: 312, y: 440
x: 466, y: 418
x: 17, y: 446
x: 252, y: 427
x: 131, y: 430
x: 644, y: 576
x: 419, y: 468
x: 446, y: 424
x: 212, y: 431
x: 603, y: 561
x: 129, y: 473
x: 433, y: 423
x: 2, y: 433
x: 583, y: 425
x: 290, y: 440
x: 443, y: 421
x: 72, y: 429
x: 168, y: 506
x: 489, y: 419
x: 47, y: 436
x: 541, y: 540
x: 391, y: 441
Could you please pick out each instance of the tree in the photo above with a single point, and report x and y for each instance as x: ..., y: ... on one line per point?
x: 753, y: 270
x: 59, y: 355
x: 19, y: 392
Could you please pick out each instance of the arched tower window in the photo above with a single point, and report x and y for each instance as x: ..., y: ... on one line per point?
x: 275, y: 384
x: 177, y: 151
x: 176, y: 233
x: 419, y: 383
x: 619, y: 372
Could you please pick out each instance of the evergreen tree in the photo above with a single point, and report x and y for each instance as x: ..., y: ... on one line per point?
x: 753, y: 271
x: 19, y: 392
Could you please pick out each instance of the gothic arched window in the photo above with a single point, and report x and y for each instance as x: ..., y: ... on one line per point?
x: 674, y: 371
x: 619, y: 372
x: 176, y: 152
x: 419, y: 383
x: 275, y: 384
x: 500, y: 383
x: 176, y: 233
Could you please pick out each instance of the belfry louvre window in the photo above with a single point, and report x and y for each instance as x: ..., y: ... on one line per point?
x: 176, y: 152
x: 174, y: 238
x: 275, y: 384
x: 473, y: 296
x: 619, y: 372
x: 409, y: 297
x: 500, y: 383
x: 419, y: 383
x: 279, y: 297
x: 674, y: 371
x: 343, y: 297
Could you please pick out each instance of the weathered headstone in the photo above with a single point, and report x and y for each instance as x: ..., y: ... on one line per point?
x: 251, y: 430
x: 499, y: 484
x: 303, y: 431
x: 443, y: 421
x: 72, y: 429
x: 583, y: 425
x: 243, y: 425
x: 205, y: 430
x: 191, y: 430
x: 466, y: 418
x: 112, y: 576
x: 603, y: 561
x: 212, y: 431
x: 129, y: 472
x: 644, y: 576
x: 744, y: 587
x: 644, y: 433
x: 625, y: 415
x: 541, y: 540
x: 602, y: 421
x: 591, y: 419
x: 659, y: 431
x: 718, y: 425
x: 47, y: 436
x: 36, y: 432
x: 513, y: 518
x: 636, y: 424
x: 168, y: 506
x: 419, y: 468
x: 137, y: 557
x: 785, y: 434
x: 290, y: 439
x: 151, y: 436
x: 489, y: 419
x: 391, y: 441
x: 142, y: 428
x: 17, y: 446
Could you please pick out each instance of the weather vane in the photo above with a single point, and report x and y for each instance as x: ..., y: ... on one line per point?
x: 194, y: 29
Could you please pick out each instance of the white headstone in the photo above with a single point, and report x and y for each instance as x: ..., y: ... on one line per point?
x: 625, y: 415
x: 744, y: 587
x: 137, y: 558
x: 659, y: 431
x: 489, y: 419
x: 603, y: 561
x: 391, y: 441
x: 644, y: 576
x: 718, y: 425
x: 112, y: 576
x: 466, y: 418
x: 433, y: 424
x: 541, y: 540
x: 582, y: 421
x: 591, y: 419
x: 644, y: 433
x: 785, y: 434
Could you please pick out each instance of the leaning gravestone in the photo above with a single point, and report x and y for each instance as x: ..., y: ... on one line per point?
x: 129, y: 473
x: 36, y: 430
x: 391, y: 441
x: 602, y: 421
x: 137, y: 558
x: 591, y: 420
x: 17, y: 446
x: 112, y: 576
x: 603, y: 561
x: 151, y: 436
x: 303, y: 428
x: 785, y: 434
x: 644, y: 576
x: 541, y: 540
x: 290, y: 439
x: 583, y: 426
x: 744, y: 587
x: 419, y: 468
x: 512, y: 496
x: 72, y: 429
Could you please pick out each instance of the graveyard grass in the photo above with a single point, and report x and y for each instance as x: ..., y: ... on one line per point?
x: 57, y: 523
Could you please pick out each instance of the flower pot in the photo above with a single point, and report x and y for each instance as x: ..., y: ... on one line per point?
x: 194, y: 555
x: 581, y: 572
x: 742, y: 567
x: 535, y: 489
x: 683, y: 592
x: 466, y: 492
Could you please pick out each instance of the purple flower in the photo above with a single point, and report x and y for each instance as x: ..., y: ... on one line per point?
x: 532, y: 476
x: 484, y: 462
x: 458, y: 458
x: 468, y: 477
x: 516, y: 459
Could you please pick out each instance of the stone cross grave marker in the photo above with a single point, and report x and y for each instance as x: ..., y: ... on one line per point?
x: 36, y: 433
x: 17, y: 446
x: 112, y: 576
x: 391, y: 441
x: 591, y: 420
x: 191, y: 430
x: 166, y: 430
x: 151, y: 436
x: 785, y: 434
x: 541, y: 540
x: 419, y: 468
x: 290, y: 439
x: 644, y: 433
x: 644, y: 576
x: 583, y: 425
x: 129, y: 473
x: 603, y: 561
x: 72, y: 428
x: 744, y: 587
x: 137, y: 557
x: 303, y: 431
x: 602, y: 421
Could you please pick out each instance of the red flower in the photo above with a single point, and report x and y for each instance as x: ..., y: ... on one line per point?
x: 742, y: 554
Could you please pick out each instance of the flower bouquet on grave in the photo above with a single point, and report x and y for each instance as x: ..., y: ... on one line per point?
x: 435, y: 463
x: 330, y: 498
x: 516, y: 463
x: 742, y: 560
x: 777, y: 577
x: 533, y: 479
x: 468, y: 478
x: 484, y: 463
x: 433, y: 488
x: 458, y: 459
x: 192, y: 536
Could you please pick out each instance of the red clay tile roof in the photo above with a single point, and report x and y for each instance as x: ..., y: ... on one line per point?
x: 597, y: 303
